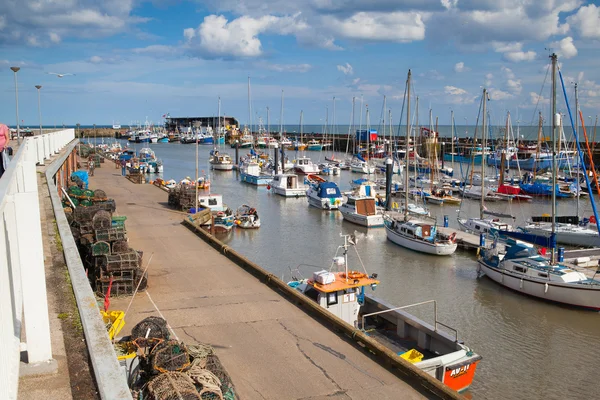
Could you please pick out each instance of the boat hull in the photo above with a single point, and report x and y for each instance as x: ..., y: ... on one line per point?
x: 585, y: 296
x: 289, y: 192
x: 437, y: 249
x: 323, y: 203
x: 255, y: 180
x: 222, y: 167
x: 370, y: 221
x: 572, y: 238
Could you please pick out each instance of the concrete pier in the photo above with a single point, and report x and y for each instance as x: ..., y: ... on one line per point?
x: 270, y: 347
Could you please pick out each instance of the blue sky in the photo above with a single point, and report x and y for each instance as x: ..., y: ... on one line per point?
x: 134, y: 60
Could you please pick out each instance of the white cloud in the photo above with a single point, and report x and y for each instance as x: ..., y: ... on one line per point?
x: 518, y: 56
x: 586, y: 21
x: 42, y: 23
x: 538, y: 99
x: 453, y: 90
x: 288, y: 67
x: 565, y: 47
x: 488, y: 79
x: 95, y: 59
x: 497, y: 94
x: 449, y: 4
x: 396, y: 26
x: 346, y: 69
x: 460, y: 67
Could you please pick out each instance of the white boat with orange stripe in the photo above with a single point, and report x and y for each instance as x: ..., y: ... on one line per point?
x: 437, y: 352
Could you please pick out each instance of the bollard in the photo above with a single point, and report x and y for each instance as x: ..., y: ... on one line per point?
x: 561, y: 254
x: 237, y: 152
x: 482, y: 240
x: 389, y: 170
x: 445, y: 221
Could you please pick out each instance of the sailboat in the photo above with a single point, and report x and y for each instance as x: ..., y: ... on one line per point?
x: 303, y: 164
x: 220, y: 161
x: 482, y: 224
x: 416, y: 235
x: 522, y: 269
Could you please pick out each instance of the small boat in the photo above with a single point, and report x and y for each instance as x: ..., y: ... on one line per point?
x: 314, y: 145
x: 361, y: 207
x: 287, y: 185
x: 323, y: 194
x: 572, y: 235
x: 304, y: 165
x: 361, y: 167
x: 329, y: 169
x: 222, y: 215
x: 342, y: 292
x: 220, y: 161
x: 419, y: 236
x: 246, y: 217
x: 251, y: 172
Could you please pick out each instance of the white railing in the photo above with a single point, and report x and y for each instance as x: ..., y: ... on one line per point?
x: 23, y: 297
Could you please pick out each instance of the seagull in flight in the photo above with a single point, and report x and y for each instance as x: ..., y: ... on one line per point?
x: 60, y: 75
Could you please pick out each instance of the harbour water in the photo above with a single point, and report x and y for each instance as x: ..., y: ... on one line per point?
x: 531, y: 349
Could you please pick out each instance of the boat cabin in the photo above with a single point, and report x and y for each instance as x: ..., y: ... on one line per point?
x: 424, y: 231
x: 363, y: 206
x: 340, y: 293
x: 301, y: 161
x: 214, y: 202
x: 286, y: 181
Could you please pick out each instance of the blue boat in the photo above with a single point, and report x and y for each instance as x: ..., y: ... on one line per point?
x: 250, y: 172
x: 530, y: 162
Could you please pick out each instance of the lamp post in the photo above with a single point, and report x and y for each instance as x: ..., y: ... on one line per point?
x: 38, y: 87
x: 15, y: 70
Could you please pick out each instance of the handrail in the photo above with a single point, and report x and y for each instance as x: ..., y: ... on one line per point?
x: 436, y: 323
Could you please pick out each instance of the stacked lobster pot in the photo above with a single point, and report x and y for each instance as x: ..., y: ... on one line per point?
x: 104, y: 248
x: 182, y: 197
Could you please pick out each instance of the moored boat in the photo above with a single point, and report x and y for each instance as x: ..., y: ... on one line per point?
x: 323, y: 194
x: 435, y: 352
x: 288, y: 185
x: 246, y: 217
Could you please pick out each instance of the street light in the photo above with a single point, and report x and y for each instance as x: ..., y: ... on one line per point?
x: 15, y: 70
x: 38, y: 87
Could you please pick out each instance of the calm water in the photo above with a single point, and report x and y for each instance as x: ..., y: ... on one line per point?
x: 531, y: 349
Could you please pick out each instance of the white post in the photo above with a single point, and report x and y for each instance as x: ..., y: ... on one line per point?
x: 38, y: 143
x: 46, y: 146
x: 31, y: 256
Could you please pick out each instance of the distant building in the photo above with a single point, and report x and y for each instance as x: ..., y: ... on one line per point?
x: 179, y: 123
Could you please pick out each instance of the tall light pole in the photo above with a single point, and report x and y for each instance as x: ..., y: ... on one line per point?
x: 15, y: 70
x: 38, y: 87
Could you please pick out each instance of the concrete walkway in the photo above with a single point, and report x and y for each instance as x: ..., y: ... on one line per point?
x: 272, y: 349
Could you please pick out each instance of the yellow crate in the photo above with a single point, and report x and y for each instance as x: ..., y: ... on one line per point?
x: 117, y: 321
x: 412, y: 356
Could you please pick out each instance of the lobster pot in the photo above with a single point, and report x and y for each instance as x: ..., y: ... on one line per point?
x: 120, y: 262
x: 86, y: 214
x: 100, y: 249
x: 172, y: 386
x: 120, y: 246
x: 111, y: 234
x: 102, y: 220
x: 169, y: 356
x: 120, y: 286
x: 100, y: 195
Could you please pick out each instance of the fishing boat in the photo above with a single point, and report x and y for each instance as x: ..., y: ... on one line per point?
x: 419, y: 236
x: 220, y: 161
x: 246, y: 217
x: 361, y: 208
x: 251, y: 172
x: 314, y: 145
x: 323, y: 194
x: 222, y: 215
x: 287, y: 185
x: 304, y: 165
x: 341, y: 291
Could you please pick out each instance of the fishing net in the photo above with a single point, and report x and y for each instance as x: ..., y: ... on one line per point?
x: 199, y: 353
x: 172, y: 386
x: 209, y: 386
x: 102, y: 220
x: 99, y: 194
x: 170, y: 356
x: 111, y: 234
x: 213, y: 364
x: 120, y: 262
x: 154, y: 327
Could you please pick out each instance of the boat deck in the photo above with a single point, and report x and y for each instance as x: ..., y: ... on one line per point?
x: 396, y: 344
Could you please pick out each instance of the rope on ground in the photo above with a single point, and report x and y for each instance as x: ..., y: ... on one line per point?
x: 162, y: 316
x: 211, y: 385
x: 200, y: 353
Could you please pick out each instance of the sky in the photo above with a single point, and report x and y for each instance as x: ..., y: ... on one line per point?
x: 134, y: 60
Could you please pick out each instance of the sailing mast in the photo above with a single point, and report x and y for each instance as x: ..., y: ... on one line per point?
x: 555, y: 121
x: 351, y: 127
x: 407, y: 142
x: 218, y: 125
x: 281, y: 119
x: 250, y: 111
x: 504, y: 145
x: 483, y: 138
x: 577, y: 138
x: 452, y: 137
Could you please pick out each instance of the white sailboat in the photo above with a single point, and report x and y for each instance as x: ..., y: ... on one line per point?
x: 416, y: 235
x: 522, y: 269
